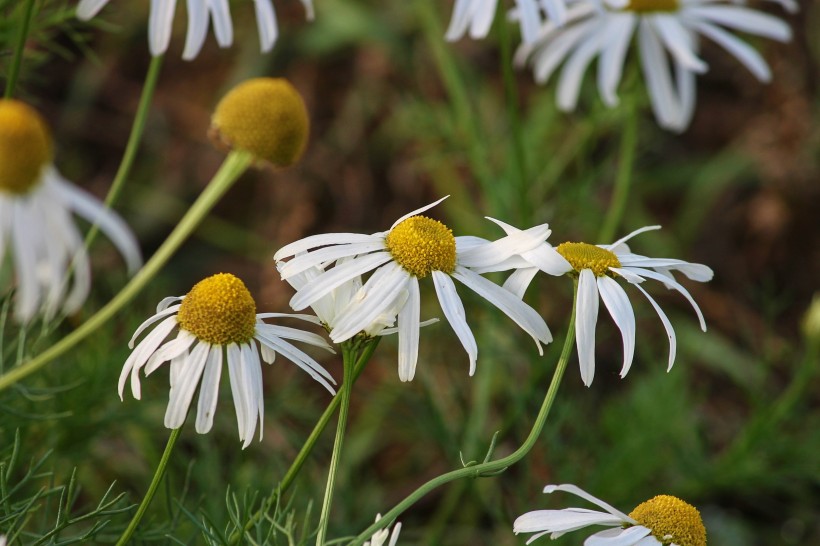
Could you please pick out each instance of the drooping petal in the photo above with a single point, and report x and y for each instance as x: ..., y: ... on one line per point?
x: 142, y: 353
x: 618, y: 30
x: 577, y: 491
x: 182, y: 390
x: 197, y: 28
x: 559, y: 522
x: 743, y: 19
x: 323, y: 239
x: 328, y: 281
x: 160, y: 22
x: 454, y: 312
x: 417, y: 211
x: 675, y: 285
x: 670, y: 332
x: 209, y: 391
x: 408, y: 324
x: 676, y: 40
x: 617, y: 303
x: 630, y: 536
x: 520, y: 280
x: 324, y: 256
x: 587, y: 317
x: 266, y: 22
x: 238, y: 393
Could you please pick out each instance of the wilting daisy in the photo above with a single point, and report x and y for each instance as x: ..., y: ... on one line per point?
x: 596, y: 268
x: 662, y: 520
x: 476, y: 17
x: 215, y: 321
x: 200, y: 14
x: 379, y: 538
x: 415, y: 247
x: 665, y: 28
x: 36, y: 205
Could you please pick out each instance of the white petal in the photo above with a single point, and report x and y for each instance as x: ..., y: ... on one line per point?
x: 408, y: 324
x: 529, y: 19
x: 197, y: 28
x: 610, y: 68
x: 298, y: 357
x: 458, y: 21
x: 235, y: 372
x: 618, y: 537
x: 223, y: 26
x: 575, y: 490
x: 160, y: 22
x: 569, y: 85
x: 516, y: 242
x: 562, y: 521
x: 87, y: 9
x: 182, y: 391
x: 266, y: 23
x: 483, y: 16
x: 328, y: 281
x: 742, y: 51
x: 142, y: 353
x: 745, y: 20
x: 324, y: 239
x: 454, y: 311
x: 417, y: 211
x: 520, y: 280
x: 666, y: 106
x: 324, y: 256
x: 614, y: 246
x: 160, y: 314
x: 170, y: 351
x: 309, y: 13
x: 670, y: 332
x: 587, y: 317
x: 677, y: 41
x: 209, y: 391
x: 547, y: 58
x: 675, y: 285
x: 617, y: 303
x: 251, y: 384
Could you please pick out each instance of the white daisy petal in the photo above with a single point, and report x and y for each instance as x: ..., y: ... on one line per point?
x: 209, y: 391
x: 87, y: 9
x: 587, y: 317
x: 197, y: 28
x: 670, y: 332
x: 322, y: 256
x: 266, y: 22
x: 617, y: 303
x: 742, y: 51
x: 520, y: 280
x: 324, y: 239
x: 618, y: 537
x: 744, y: 19
x: 183, y: 390
x: 408, y: 324
x: 577, y: 491
x: 327, y: 282
x: 562, y: 521
x: 418, y: 211
x: 223, y: 25
x: 619, y: 32
x: 142, y: 353
x: 675, y: 285
x: 456, y: 316
x: 675, y: 38
x: 160, y: 22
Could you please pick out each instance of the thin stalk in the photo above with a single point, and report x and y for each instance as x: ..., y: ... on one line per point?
x: 149, y: 495
x: 307, y: 447
x: 349, y: 354
x: 234, y: 165
x: 17, y: 60
x: 623, y: 181
x: 134, y: 138
x: 489, y: 467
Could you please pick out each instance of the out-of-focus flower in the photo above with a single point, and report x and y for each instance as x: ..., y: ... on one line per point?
x: 415, y: 247
x: 380, y: 537
x: 36, y: 204
x: 216, y: 320
x: 596, y: 268
x: 264, y: 116
x: 200, y: 15
x: 664, y: 28
x: 663, y: 520
x: 476, y: 17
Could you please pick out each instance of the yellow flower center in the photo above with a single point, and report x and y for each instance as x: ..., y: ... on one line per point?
x: 584, y: 256
x: 265, y: 116
x: 219, y: 310
x: 421, y: 245
x: 25, y: 147
x: 648, y: 6
x: 671, y: 520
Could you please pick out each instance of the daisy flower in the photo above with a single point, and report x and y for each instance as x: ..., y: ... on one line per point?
x: 379, y: 538
x: 667, y: 30
x: 596, y: 268
x: 415, y: 247
x: 215, y: 321
x: 200, y: 14
x: 36, y: 207
x: 663, y: 520
x: 476, y: 17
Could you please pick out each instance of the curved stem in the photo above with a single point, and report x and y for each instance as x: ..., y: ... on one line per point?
x: 17, y: 61
x: 134, y: 138
x: 349, y: 355
x: 234, y: 165
x: 307, y: 447
x: 491, y: 467
x: 623, y: 181
x: 149, y: 495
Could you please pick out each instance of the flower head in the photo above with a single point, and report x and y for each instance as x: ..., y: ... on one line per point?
x: 597, y: 267
x: 264, y: 116
x: 36, y: 204
x: 663, y: 520
x: 665, y: 28
x: 414, y: 248
x: 200, y: 15
x: 379, y: 538
x: 217, y: 319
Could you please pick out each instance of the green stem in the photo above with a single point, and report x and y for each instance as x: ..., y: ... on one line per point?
x: 149, y: 495
x: 623, y: 181
x: 234, y: 165
x: 349, y: 355
x: 17, y: 60
x: 490, y: 467
x: 307, y: 447
x: 131, y: 147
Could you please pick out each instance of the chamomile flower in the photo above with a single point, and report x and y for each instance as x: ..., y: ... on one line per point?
x: 666, y: 30
x: 476, y: 17
x: 597, y: 268
x: 36, y: 207
x: 217, y: 321
x: 663, y: 520
x: 415, y: 247
x: 380, y: 537
x: 200, y: 15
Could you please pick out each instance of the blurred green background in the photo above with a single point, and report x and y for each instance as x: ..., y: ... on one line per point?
x: 399, y: 119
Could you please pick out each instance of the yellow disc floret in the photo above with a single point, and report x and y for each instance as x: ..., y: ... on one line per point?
x: 219, y: 310
x: 671, y: 520
x: 264, y: 116
x: 648, y: 6
x: 421, y: 245
x: 585, y: 256
x: 25, y: 147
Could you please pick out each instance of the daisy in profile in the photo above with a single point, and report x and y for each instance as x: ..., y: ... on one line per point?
x: 380, y: 538
x: 200, y: 15
x: 49, y: 258
x: 217, y: 321
x: 476, y: 17
x: 663, y: 520
x: 597, y: 267
x: 668, y: 34
x: 415, y: 247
